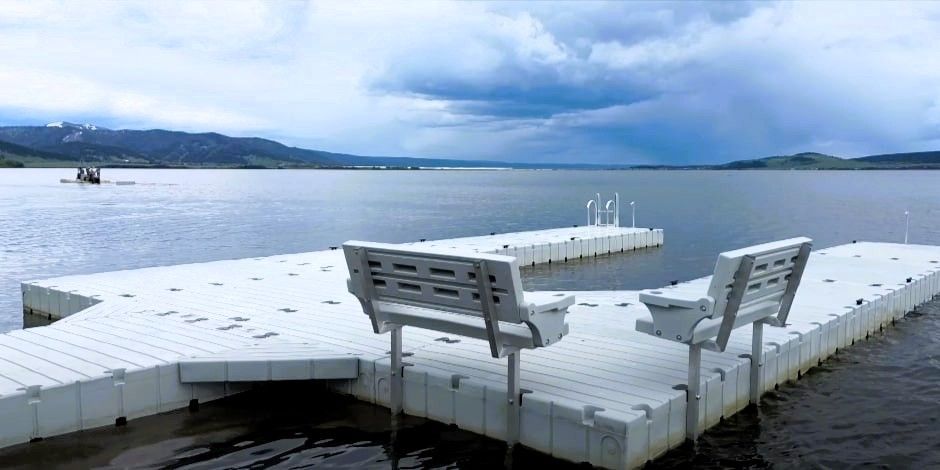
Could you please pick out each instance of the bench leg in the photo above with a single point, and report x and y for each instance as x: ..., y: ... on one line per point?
x: 513, y: 395
x: 694, y: 392
x: 757, y: 361
x: 395, y: 381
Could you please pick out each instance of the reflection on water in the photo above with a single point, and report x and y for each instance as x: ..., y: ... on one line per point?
x: 30, y: 320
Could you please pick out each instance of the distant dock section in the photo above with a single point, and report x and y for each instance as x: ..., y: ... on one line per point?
x: 58, y: 298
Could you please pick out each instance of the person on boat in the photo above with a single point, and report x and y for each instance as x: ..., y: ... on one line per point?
x: 81, y: 172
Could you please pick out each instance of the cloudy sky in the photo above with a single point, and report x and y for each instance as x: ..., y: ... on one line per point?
x: 552, y: 82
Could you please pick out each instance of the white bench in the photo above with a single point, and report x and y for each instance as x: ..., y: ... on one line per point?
x: 753, y: 285
x: 467, y: 294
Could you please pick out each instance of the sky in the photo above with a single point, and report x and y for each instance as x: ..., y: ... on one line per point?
x: 583, y: 82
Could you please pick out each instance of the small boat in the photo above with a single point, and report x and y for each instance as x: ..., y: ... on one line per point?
x: 116, y: 183
x: 91, y: 175
x: 77, y: 181
x: 87, y: 174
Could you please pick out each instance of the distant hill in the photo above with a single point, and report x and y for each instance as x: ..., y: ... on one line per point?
x: 13, y: 156
x: 98, y: 145
x: 60, y: 142
x: 819, y: 161
x: 799, y: 161
x: 912, y: 158
x: 67, y: 144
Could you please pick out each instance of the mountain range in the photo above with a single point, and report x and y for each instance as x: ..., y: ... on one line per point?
x: 64, y: 144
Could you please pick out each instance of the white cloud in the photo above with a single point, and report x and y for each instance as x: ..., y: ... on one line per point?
x: 583, y: 81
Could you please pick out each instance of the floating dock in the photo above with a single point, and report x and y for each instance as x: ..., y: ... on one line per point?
x: 135, y: 343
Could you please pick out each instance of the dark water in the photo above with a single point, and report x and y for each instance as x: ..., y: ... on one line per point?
x: 875, y: 404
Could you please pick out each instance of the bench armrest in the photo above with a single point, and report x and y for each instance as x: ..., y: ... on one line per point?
x: 546, y: 316
x: 545, y: 301
x: 676, y: 298
x: 675, y: 313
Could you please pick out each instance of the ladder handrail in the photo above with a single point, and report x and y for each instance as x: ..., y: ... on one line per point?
x: 610, y: 212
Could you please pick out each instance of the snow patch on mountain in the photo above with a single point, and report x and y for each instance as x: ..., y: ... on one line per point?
x: 86, y: 126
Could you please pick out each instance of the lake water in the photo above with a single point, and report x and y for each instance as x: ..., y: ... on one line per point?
x: 877, y: 403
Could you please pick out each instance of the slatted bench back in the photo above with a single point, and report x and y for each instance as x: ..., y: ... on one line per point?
x: 771, y: 271
x: 434, y: 280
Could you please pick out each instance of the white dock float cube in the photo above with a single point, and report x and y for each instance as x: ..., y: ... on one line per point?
x: 470, y: 411
x: 16, y: 414
x: 574, y: 251
x: 616, y: 243
x: 101, y: 402
x: 173, y: 393
x: 141, y: 393
x: 436, y: 393
x: 544, y: 253
x: 629, y: 241
x: 246, y: 371
x: 58, y: 410
x: 44, y: 295
x: 536, y: 422
x: 421, y: 401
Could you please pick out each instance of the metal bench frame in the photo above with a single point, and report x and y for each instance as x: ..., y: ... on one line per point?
x: 677, y: 317
x: 472, y: 297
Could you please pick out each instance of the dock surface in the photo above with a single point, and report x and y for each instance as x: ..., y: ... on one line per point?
x: 136, y: 343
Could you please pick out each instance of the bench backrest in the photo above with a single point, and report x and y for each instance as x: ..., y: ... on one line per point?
x: 434, y: 279
x: 761, y: 277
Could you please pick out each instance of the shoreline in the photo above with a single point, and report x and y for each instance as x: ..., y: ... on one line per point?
x: 439, y: 168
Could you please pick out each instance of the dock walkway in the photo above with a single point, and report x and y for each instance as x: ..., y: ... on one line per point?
x: 136, y: 343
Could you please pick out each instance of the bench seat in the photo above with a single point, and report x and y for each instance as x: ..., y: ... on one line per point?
x: 511, y: 334
x: 705, y: 329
